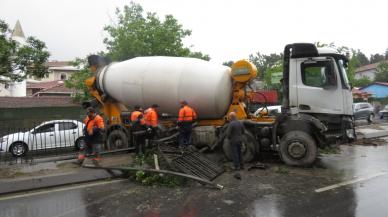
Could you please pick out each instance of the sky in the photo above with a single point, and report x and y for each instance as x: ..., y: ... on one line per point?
x: 224, y: 29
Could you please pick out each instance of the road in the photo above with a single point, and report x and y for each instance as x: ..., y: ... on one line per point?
x: 352, y: 183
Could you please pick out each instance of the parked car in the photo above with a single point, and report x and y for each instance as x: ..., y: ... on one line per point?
x: 384, y: 113
x: 49, y: 134
x: 363, y: 110
x: 270, y: 110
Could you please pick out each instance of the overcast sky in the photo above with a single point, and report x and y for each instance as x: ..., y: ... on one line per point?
x: 224, y: 29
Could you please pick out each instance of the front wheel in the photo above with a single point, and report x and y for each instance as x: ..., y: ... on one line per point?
x: 370, y: 118
x: 298, y: 148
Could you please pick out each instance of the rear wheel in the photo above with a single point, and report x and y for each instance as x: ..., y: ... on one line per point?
x: 248, y: 148
x: 79, y: 143
x: 117, y: 139
x: 297, y: 148
x: 18, y: 149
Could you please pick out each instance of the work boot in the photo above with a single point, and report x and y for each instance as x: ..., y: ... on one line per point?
x: 96, y: 160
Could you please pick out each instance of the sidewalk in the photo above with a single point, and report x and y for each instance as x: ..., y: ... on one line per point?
x: 372, y: 131
x: 24, y: 177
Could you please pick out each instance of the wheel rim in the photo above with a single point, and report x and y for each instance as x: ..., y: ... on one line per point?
x: 117, y: 142
x: 297, y: 150
x: 18, y: 149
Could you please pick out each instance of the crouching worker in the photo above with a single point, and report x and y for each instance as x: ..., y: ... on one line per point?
x: 93, y: 131
x: 139, y: 130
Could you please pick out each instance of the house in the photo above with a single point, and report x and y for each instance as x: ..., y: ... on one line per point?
x: 50, y: 88
x: 360, y: 94
x: 368, y: 71
x: 378, y: 89
x: 58, y: 70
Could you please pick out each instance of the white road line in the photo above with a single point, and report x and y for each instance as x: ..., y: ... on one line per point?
x: 330, y: 187
x: 21, y: 195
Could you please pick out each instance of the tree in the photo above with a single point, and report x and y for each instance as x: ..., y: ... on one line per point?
x: 28, y: 58
x: 77, y: 80
x: 382, y: 72
x: 362, y: 82
x: 228, y: 63
x: 138, y: 34
x: 264, y: 62
x: 386, y: 54
x: 375, y: 58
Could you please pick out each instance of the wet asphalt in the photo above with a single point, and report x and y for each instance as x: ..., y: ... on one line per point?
x: 360, y: 173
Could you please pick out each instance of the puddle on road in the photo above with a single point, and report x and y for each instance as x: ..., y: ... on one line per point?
x: 267, y: 206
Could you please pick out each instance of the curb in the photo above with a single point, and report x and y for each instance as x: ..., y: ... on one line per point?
x: 35, y: 183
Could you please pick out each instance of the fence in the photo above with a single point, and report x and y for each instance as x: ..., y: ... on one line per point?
x: 59, y: 137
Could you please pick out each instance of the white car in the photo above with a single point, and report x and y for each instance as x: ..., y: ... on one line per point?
x: 49, y: 134
x: 275, y: 109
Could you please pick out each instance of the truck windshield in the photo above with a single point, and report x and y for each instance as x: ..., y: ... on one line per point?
x: 344, y: 76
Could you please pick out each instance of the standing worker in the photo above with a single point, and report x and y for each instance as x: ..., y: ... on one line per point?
x: 151, y: 119
x: 235, y: 133
x: 139, y: 132
x: 94, y: 125
x: 186, y: 118
x: 135, y: 114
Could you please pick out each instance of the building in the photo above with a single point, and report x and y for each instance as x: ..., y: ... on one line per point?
x: 378, y: 89
x: 49, y: 88
x: 368, y: 71
x: 58, y: 70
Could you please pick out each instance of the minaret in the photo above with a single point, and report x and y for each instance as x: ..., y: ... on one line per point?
x: 18, y: 89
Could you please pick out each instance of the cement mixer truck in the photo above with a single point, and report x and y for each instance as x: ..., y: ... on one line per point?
x: 316, y: 105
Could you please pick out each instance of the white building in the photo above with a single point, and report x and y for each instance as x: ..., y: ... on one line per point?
x: 17, y: 89
x: 368, y: 71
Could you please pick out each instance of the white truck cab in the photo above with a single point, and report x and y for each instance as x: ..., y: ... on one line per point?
x: 320, y: 84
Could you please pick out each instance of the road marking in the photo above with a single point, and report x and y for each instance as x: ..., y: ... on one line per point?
x: 330, y: 187
x: 21, y: 195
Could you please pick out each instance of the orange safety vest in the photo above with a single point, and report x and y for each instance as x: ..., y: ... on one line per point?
x: 97, y: 121
x: 151, y: 117
x: 187, y: 114
x: 135, y: 115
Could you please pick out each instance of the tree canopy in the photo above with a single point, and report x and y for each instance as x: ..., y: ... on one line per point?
x: 25, y: 59
x: 137, y: 33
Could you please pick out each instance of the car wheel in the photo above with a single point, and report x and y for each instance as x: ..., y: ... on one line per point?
x: 297, y: 148
x: 370, y: 118
x: 79, y: 143
x: 18, y: 149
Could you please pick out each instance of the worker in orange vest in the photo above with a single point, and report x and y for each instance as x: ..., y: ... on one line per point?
x: 151, y: 119
x: 136, y: 112
x: 93, y: 131
x: 186, y: 118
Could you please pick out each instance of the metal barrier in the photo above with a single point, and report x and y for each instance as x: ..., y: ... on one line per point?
x: 48, y: 138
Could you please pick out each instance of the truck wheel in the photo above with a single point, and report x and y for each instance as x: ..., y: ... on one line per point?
x: 297, y: 148
x: 248, y: 149
x: 117, y: 139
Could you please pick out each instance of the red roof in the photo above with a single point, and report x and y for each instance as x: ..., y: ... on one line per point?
x: 368, y: 67
x: 28, y: 102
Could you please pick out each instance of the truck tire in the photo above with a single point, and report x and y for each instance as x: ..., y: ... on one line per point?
x: 117, y: 139
x: 248, y: 149
x: 298, y: 148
